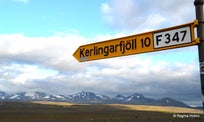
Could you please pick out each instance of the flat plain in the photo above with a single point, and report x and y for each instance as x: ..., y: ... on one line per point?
x: 45, y: 111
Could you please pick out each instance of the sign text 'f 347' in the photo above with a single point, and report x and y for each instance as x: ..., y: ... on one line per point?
x: 168, y: 38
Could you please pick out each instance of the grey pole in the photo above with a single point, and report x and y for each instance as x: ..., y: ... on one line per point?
x: 200, y: 33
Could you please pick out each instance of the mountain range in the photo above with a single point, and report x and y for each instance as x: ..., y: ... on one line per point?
x: 91, y: 98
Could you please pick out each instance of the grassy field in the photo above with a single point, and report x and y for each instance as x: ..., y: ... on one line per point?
x: 165, y: 109
x: 68, y: 112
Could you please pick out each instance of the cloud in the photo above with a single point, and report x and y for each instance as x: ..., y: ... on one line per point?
x: 144, y: 15
x: 26, y: 59
x: 52, y: 52
x: 46, y: 64
x: 29, y: 73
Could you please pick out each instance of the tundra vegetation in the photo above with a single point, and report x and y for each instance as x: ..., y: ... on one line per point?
x: 44, y: 111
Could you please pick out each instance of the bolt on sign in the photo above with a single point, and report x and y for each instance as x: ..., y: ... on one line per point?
x: 168, y: 38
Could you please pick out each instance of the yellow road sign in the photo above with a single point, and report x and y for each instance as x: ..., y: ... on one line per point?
x: 168, y: 38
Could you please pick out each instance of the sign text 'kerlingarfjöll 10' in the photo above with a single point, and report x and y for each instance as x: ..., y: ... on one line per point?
x: 168, y: 38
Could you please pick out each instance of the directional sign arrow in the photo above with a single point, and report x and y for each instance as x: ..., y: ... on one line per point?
x: 168, y: 38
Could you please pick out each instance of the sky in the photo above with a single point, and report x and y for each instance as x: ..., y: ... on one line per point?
x: 39, y: 37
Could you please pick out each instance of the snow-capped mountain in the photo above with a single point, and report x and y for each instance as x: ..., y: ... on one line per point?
x: 18, y: 96
x: 3, y: 95
x: 91, y: 97
x: 37, y: 96
x: 170, y: 102
x: 88, y: 96
x: 134, y: 97
x: 139, y: 99
x: 34, y: 96
x: 119, y: 98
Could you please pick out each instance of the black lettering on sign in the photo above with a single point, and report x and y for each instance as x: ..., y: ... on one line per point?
x: 82, y: 52
x: 128, y: 45
x: 167, y: 35
x: 122, y: 47
x: 91, y: 50
x: 158, y: 39
x: 112, y: 50
x: 176, y: 37
x: 146, y: 42
x: 184, y: 34
x: 87, y: 53
x: 106, y: 50
x: 173, y: 37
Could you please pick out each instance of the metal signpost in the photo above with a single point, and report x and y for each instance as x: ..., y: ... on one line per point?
x: 200, y: 33
x: 168, y: 38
